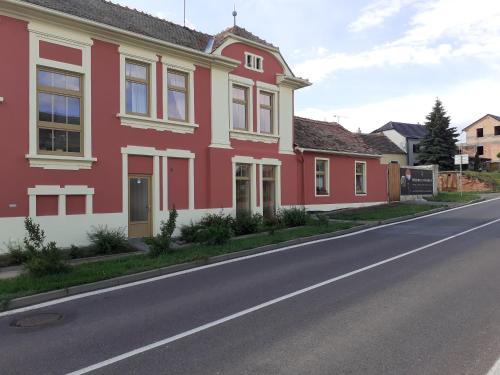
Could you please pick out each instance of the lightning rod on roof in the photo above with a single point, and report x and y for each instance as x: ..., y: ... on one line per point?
x: 184, y: 13
x: 235, y: 13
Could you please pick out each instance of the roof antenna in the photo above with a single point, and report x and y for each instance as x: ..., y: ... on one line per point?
x: 235, y: 13
x: 184, y: 13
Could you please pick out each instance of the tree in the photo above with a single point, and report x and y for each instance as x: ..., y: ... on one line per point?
x: 438, y: 146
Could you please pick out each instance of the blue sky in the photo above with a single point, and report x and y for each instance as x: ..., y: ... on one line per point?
x: 371, y: 61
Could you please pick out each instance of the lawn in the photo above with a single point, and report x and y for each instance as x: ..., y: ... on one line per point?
x: 24, y: 285
x: 383, y: 212
x: 454, y: 197
x: 492, y: 178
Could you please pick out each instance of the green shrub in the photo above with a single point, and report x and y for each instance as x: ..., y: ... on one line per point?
x: 108, y: 241
x: 43, y: 259
x: 247, y: 224
x: 212, y: 229
x: 322, y: 220
x: 292, y: 217
x: 17, y: 253
x: 217, y: 234
x: 189, y: 232
x: 160, y: 244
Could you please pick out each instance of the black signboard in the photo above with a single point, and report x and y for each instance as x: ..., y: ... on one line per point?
x: 416, y: 181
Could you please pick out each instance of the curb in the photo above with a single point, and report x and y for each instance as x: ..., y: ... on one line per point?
x: 121, y: 280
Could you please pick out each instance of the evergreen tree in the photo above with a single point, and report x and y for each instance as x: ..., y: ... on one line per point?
x: 438, y: 145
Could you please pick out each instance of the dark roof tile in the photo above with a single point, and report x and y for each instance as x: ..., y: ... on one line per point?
x: 381, y: 143
x: 415, y: 131
x: 241, y: 32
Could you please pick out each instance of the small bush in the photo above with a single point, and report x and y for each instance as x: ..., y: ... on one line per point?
x: 189, y: 232
x: 212, y: 229
x: 292, y: 217
x: 322, y: 220
x: 108, y: 241
x: 161, y: 243
x: 247, y: 224
x: 217, y: 234
x: 17, y: 253
x: 43, y: 259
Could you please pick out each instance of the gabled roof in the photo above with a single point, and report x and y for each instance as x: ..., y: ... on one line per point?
x: 488, y: 115
x: 381, y: 143
x: 328, y: 136
x: 242, y: 33
x: 415, y: 131
x: 121, y: 17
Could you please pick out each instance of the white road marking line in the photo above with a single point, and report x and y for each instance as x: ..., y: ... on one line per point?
x: 204, y: 327
x: 218, y: 264
x: 495, y: 370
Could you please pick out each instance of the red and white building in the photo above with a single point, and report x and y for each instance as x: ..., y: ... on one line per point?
x: 110, y: 116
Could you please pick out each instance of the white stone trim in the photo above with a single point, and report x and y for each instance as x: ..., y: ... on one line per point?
x: 55, y: 35
x: 221, y: 102
x: 327, y: 178
x: 365, y: 180
x: 338, y: 206
x: 243, y: 135
x: 274, y: 91
x: 61, y: 192
x: 253, y: 65
x: 156, y: 124
x: 248, y: 84
x: 243, y: 81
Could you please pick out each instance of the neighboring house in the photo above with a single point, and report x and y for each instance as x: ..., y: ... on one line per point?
x: 346, y: 171
x: 112, y: 117
x: 383, y: 145
x: 406, y: 136
x: 483, y: 138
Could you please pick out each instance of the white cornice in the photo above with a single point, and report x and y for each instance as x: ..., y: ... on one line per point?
x: 344, y: 153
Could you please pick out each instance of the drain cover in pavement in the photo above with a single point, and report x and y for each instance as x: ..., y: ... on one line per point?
x: 37, y: 320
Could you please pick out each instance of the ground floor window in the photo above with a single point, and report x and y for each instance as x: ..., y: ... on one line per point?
x: 322, y: 177
x: 243, y: 189
x: 360, y: 177
x: 269, y: 191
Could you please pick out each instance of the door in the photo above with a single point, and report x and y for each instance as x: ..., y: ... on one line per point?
x: 394, y: 182
x: 139, y: 223
x: 269, y: 191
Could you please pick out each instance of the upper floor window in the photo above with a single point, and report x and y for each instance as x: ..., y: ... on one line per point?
x: 479, y: 132
x: 266, y: 112
x: 497, y: 130
x: 177, y: 83
x: 59, y: 101
x: 240, y: 107
x: 137, y: 79
x: 253, y: 62
x: 360, y: 177
x: 480, y: 150
x: 322, y: 177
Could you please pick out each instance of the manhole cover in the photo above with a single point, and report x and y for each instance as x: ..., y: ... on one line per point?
x: 37, y: 320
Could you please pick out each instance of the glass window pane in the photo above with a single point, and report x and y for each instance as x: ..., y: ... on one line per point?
x: 176, y: 79
x: 265, y: 120
x: 59, y: 109
x: 44, y: 107
x: 320, y: 165
x: 239, y: 116
x: 269, y: 199
x: 177, y: 105
x: 243, y: 170
x: 360, y: 188
x: 239, y: 93
x: 44, y: 78
x: 136, y: 71
x: 73, y: 111
x: 73, y: 83
x: 74, y: 142
x: 268, y: 171
x: 359, y: 168
x: 265, y: 99
x: 242, y: 196
x: 58, y: 80
x: 60, y: 140
x: 139, y: 200
x: 137, y: 98
x: 45, y: 139
x: 320, y: 185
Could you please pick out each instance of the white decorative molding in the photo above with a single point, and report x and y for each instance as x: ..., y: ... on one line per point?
x: 156, y: 124
x: 70, y: 163
x: 274, y: 91
x: 61, y: 192
x: 253, y: 137
x: 327, y: 177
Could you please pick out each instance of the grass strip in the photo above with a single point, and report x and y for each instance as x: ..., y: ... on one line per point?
x: 454, y: 197
x: 383, y: 212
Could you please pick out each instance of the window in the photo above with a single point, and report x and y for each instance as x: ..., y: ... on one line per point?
x: 269, y: 191
x: 322, y: 177
x: 240, y: 112
x: 243, y: 188
x: 266, y: 112
x: 59, y: 122
x: 479, y: 132
x: 416, y: 148
x: 253, y: 62
x: 137, y: 88
x: 497, y: 130
x: 480, y: 150
x: 360, y: 177
x: 177, y: 95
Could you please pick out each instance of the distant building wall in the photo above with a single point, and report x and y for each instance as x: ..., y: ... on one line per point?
x: 489, y: 141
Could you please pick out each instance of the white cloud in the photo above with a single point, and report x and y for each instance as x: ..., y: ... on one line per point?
x: 443, y: 29
x: 461, y: 103
x: 376, y: 13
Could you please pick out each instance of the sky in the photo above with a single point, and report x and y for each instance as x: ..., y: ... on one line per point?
x: 370, y: 61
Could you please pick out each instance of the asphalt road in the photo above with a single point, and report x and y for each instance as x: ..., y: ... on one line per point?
x: 434, y: 311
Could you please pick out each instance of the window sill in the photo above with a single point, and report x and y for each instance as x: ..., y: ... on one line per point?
x: 253, y: 137
x: 157, y: 124
x: 60, y: 162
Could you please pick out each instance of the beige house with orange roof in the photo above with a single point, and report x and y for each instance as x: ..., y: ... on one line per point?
x: 483, y: 137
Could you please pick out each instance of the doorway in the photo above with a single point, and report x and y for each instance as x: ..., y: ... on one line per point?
x: 139, y: 223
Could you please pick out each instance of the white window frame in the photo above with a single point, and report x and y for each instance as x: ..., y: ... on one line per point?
x: 327, y: 177
x: 277, y: 182
x: 274, y: 90
x: 247, y: 84
x: 365, y: 180
x: 61, y: 193
x: 253, y: 65
x: 54, y: 35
